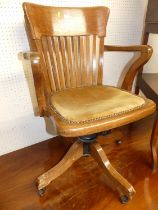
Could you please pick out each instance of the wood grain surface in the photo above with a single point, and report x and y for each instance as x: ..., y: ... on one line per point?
x: 83, y: 186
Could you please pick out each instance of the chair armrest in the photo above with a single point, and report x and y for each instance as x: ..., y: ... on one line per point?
x: 145, y: 54
x: 32, y: 56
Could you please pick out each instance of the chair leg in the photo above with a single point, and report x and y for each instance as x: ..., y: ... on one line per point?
x: 154, y: 138
x: 124, y: 188
x: 73, y: 154
x: 116, y: 181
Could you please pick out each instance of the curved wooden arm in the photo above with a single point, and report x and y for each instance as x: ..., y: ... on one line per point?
x: 145, y: 54
x: 32, y: 56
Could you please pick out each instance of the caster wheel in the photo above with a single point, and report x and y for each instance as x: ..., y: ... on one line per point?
x: 118, y: 142
x: 124, y: 199
x: 41, y: 192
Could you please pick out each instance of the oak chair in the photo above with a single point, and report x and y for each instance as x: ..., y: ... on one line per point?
x: 67, y: 47
x: 148, y: 82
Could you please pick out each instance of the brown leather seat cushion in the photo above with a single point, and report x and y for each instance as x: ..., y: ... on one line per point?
x: 77, y: 105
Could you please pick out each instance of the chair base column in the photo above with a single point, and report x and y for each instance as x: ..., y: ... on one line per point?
x: 86, y: 146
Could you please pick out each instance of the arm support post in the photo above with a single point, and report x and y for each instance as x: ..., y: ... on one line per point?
x: 34, y: 58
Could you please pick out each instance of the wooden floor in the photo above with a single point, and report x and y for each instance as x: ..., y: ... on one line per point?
x: 83, y: 186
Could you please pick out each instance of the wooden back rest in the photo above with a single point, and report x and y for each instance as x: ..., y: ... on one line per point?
x: 70, y: 43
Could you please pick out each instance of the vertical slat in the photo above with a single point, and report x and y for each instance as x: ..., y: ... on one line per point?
x: 73, y: 62
x: 88, y: 61
x: 70, y: 60
x: 43, y: 66
x: 97, y: 59
x: 94, y: 61
x: 53, y: 63
x: 58, y: 60
x: 65, y: 62
x: 91, y: 59
x: 100, y: 61
x: 76, y: 60
x: 85, y: 59
x: 82, y: 57
x: 50, y: 72
x: 48, y: 63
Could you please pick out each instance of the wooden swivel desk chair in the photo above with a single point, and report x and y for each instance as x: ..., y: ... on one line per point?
x: 67, y: 64
x: 148, y: 82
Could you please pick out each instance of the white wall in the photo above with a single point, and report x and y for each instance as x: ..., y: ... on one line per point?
x: 18, y: 125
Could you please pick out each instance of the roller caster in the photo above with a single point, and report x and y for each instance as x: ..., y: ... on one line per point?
x: 124, y: 199
x: 118, y: 142
x: 41, y: 192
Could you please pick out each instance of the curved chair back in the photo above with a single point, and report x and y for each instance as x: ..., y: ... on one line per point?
x: 70, y: 43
